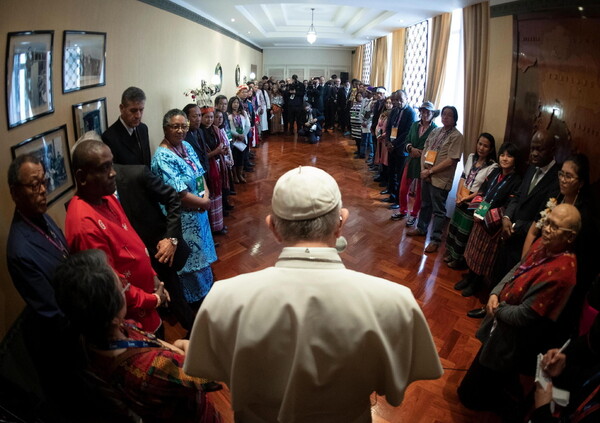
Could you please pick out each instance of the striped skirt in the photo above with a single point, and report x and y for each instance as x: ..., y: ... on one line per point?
x: 482, y: 249
x: 458, y: 232
x: 215, y: 214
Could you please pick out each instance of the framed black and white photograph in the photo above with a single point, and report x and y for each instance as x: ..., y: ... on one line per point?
x: 28, y: 76
x: 84, y: 60
x: 90, y: 116
x: 52, y: 147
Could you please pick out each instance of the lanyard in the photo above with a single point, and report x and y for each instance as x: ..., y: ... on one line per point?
x: 497, y: 185
x: 185, y: 157
x: 52, y: 238
x: 439, y: 140
x: 152, y: 342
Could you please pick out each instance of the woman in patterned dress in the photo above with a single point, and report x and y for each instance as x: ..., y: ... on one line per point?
x: 176, y: 162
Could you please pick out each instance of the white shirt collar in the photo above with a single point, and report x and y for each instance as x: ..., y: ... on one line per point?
x: 129, y: 130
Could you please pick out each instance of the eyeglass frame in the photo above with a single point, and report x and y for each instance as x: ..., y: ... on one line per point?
x: 36, y: 186
x: 553, y: 227
x: 567, y: 178
x: 178, y: 127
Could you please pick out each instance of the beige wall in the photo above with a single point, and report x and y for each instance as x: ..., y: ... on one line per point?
x: 159, y: 52
x: 499, y: 78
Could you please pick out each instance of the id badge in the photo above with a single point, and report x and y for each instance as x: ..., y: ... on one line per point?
x: 200, y: 186
x: 394, y: 133
x: 430, y: 156
x: 482, y: 210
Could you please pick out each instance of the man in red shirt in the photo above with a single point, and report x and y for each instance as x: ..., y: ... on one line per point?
x: 95, y: 219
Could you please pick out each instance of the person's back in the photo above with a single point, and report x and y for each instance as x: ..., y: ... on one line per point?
x: 309, y: 340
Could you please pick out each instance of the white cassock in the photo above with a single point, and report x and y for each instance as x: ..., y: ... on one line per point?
x: 264, y: 103
x: 309, y: 340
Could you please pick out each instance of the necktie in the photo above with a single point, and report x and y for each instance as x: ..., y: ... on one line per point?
x: 536, y: 178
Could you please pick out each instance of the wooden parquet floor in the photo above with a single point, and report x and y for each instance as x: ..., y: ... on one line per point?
x: 377, y: 246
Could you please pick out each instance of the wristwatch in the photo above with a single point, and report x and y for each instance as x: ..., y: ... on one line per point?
x: 174, y: 241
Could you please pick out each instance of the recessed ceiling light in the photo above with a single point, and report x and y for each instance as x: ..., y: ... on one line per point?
x: 401, y: 20
x: 580, y: 8
x: 232, y: 19
x: 249, y: 32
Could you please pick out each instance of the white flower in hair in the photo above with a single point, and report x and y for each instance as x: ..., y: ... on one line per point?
x: 544, y: 213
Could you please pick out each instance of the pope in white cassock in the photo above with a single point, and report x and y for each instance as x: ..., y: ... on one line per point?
x: 309, y: 340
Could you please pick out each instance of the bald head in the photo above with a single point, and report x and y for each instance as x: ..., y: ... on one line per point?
x: 93, y: 169
x: 542, y: 148
x: 561, y: 227
x: 84, y: 151
x: 569, y: 216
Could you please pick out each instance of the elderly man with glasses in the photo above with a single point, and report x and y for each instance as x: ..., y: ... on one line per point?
x: 522, y: 311
x: 36, y: 246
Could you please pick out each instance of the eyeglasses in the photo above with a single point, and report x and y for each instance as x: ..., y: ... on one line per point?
x: 36, y: 186
x: 553, y: 227
x: 179, y: 127
x: 566, y: 176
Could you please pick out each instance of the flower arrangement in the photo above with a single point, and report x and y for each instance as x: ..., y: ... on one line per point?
x: 544, y: 213
x: 197, y: 95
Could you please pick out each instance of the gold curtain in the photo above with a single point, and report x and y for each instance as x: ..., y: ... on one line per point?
x: 440, y: 35
x: 476, y: 23
x: 357, y: 62
x: 398, y: 44
x: 379, y: 63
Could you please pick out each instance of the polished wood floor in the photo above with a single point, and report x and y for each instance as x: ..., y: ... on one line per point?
x: 377, y: 246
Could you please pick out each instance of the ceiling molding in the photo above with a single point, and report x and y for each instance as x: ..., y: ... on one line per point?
x: 183, y: 12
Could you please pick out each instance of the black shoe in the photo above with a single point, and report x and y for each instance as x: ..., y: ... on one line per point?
x: 470, y: 290
x: 383, y: 184
x: 457, y: 264
x: 221, y: 232
x: 394, y: 206
x: 384, y: 192
x: 227, y: 206
x: 232, y: 192
x: 478, y: 313
x: 462, y: 284
x: 387, y: 200
x: 249, y: 169
x: 398, y: 216
x: 378, y: 179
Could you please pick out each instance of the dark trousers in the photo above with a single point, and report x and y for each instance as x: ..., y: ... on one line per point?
x: 433, y: 203
x: 178, y: 305
x: 395, y: 166
x: 312, y: 137
x: 330, y: 109
x: 294, y: 116
x: 484, y: 389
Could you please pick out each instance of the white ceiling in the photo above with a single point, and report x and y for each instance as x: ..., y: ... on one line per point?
x: 338, y: 23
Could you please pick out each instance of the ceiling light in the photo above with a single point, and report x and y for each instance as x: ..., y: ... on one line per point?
x: 232, y: 19
x: 311, y: 36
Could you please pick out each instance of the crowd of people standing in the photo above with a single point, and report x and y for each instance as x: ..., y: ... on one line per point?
x: 525, y: 239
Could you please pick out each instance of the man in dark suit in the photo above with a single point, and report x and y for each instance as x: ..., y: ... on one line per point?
x: 343, y: 108
x: 312, y: 119
x: 193, y: 135
x: 330, y: 101
x: 540, y: 183
x: 128, y: 136
x: 141, y: 193
x: 401, y: 119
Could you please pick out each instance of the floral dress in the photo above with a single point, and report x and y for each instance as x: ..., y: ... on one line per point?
x: 185, y: 174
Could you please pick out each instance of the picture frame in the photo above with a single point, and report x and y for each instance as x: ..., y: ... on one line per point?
x: 84, y: 60
x: 52, y: 148
x: 29, y: 93
x: 90, y: 116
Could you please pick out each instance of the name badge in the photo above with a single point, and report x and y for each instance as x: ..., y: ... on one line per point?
x: 430, y: 156
x: 394, y: 133
x: 200, y: 186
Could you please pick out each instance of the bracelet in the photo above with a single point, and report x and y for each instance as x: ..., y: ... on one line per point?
x: 158, y: 300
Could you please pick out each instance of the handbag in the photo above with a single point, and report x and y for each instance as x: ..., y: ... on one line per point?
x: 493, y: 219
x: 240, y: 145
x: 500, y: 350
